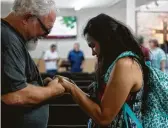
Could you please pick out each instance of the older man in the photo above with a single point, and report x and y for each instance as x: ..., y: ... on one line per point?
x: 23, y: 90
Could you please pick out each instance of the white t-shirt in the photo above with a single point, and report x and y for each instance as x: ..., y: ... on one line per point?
x: 50, y: 65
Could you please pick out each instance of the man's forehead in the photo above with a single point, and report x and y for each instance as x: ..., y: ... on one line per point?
x: 50, y: 18
x: 52, y: 15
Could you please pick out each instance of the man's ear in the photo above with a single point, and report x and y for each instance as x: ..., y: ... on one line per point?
x: 27, y: 17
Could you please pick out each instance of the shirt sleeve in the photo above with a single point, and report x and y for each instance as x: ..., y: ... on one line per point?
x: 69, y: 56
x: 46, y: 55
x: 13, y: 70
x: 83, y: 57
x: 57, y: 56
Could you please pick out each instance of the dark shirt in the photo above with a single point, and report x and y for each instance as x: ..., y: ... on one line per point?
x: 17, y: 70
x: 165, y: 47
x: 76, y: 58
x: 146, y: 53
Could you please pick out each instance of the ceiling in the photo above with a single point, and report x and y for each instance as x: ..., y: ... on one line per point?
x: 142, y: 5
x: 80, y: 4
x: 159, y: 5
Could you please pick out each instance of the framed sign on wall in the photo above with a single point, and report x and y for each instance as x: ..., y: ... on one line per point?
x: 64, y: 27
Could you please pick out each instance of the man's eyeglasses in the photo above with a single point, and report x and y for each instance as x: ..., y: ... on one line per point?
x: 47, y: 31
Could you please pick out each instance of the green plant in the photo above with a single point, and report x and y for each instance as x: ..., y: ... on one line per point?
x: 69, y: 21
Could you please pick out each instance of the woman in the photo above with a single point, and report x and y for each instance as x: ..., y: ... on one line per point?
x: 145, y: 51
x: 109, y: 38
x: 157, y: 56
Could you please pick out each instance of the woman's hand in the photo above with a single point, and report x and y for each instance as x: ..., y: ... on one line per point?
x: 67, y: 83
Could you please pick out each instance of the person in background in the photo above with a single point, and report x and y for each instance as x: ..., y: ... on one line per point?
x: 76, y: 58
x: 164, y: 47
x: 157, y: 56
x: 51, y: 60
x: 23, y: 92
x: 145, y: 50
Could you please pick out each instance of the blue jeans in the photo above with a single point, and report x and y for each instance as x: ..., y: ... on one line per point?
x: 52, y: 72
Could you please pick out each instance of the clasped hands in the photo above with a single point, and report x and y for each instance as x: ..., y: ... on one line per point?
x: 67, y: 83
x: 60, y: 83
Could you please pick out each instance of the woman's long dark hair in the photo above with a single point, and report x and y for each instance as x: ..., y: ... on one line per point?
x: 114, y: 38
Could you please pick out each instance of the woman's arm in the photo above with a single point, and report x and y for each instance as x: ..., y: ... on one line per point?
x: 124, y: 79
x: 163, y: 65
x: 162, y: 57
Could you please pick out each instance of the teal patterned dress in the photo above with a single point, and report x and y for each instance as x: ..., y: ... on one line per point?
x: 155, y: 112
x: 134, y: 101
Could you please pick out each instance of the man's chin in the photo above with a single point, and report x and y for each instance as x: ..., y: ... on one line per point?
x: 31, y: 47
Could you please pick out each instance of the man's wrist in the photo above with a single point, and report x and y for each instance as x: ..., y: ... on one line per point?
x: 51, y: 91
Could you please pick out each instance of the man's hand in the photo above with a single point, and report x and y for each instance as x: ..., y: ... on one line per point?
x: 47, y: 80
x: 48, y: 60
x: 82, y: 67
x: 55, y: 87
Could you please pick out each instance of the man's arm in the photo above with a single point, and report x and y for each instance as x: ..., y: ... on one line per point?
x: 69, y: 56
x: 57, y: 59
x: 83, y: 65
x: 83, y: 61
x: 15, y: 89
x: 33, y: 95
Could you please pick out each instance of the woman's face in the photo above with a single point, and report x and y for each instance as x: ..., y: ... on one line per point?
x: 151, y: 44
x: 94, y: 45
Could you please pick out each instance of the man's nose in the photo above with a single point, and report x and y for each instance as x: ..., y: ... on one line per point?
x: 93, y: 52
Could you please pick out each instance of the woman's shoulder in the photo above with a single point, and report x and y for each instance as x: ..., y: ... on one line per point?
x: 125, y: 65
x: 125, y: 62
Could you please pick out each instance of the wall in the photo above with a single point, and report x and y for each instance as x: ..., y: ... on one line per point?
x: 5, y: 8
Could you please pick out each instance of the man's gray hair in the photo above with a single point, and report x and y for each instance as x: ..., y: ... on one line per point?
x: 34, y: 7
